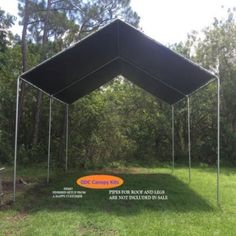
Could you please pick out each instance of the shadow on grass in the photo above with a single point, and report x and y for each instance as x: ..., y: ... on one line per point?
x: 180, y: 197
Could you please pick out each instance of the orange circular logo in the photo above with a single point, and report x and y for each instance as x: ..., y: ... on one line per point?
x: 100, y: 181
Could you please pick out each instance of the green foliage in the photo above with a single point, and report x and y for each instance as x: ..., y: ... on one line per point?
x: 9, y: 69
x: 215, y: 50
x: 6, y: 21
x: 118, y: 123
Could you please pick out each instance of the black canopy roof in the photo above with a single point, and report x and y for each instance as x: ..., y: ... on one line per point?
x: 118, y: 49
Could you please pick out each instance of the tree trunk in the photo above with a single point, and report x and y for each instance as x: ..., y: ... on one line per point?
x: 40, y: 94
x: 24, y: 35
x: 37, y: 118
x: 24, y: 57
x: 61, y: 153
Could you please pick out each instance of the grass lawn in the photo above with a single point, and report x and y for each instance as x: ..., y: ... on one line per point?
x: 190, y: 208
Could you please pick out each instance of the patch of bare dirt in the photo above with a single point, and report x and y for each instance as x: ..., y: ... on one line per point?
x: 16, y: 218
x: 7, y: 204
x: 21, y: 185
x: 7, y: 186
x: 133, y: 170
x: 87, y: 230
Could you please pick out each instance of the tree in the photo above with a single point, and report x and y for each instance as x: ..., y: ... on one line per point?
x: 25, y: 22
x: 219, y: 46
x: 214, y: 50
x: 6, y: 21
x: 9, y: 67
x: 55, y: 25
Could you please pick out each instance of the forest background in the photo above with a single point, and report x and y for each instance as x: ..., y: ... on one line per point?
x: 118, y: 124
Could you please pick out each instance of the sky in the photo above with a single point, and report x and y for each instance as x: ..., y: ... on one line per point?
x: 167, y: 21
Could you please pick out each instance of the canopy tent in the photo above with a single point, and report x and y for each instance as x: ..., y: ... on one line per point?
x: 119, y: 49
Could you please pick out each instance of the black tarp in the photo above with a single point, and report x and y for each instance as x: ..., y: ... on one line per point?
x: 118, y: 49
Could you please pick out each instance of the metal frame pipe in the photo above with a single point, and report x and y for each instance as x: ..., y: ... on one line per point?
x: 67, y: 130
x: 173, y: 139
x: 189, y: 140
x: 218, y: 143
x: 16, y: 137
x: 49, y: 137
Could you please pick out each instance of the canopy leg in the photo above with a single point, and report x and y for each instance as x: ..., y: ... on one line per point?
x: 16, y: 137
x: 67, y: 113
x: 173, y: 139
x: 49, y: 137
x: 189, y: 141
x: 218, y: 141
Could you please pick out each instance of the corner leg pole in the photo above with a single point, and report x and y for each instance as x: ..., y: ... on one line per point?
x: 218, y: 141
x: 173, y: 139
x: 189, y: 141
x: 16, y: 137
x: 49, y: 137
x: 67, y: 121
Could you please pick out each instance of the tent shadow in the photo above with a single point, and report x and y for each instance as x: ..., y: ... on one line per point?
x: 181, y: 198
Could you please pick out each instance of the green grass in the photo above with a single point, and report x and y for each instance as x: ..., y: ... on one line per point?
x: 190, y: 209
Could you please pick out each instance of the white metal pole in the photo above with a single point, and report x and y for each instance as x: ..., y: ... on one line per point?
x: 218, y: 141
x: 49, y: 137
x: 16, y: 137
x: 189, y: 140
x: 173, y: 139
x: 67, y: 121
